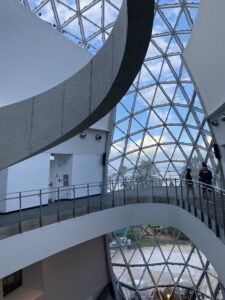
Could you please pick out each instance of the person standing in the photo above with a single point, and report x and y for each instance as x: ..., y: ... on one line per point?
x: 205, y: 176
x: 189, y: 182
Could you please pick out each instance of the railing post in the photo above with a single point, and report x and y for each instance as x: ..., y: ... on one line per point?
x: 202, y: 213
x: 101, y: 196
x: 88, y: 198
x: 223, y: 212
x: 58, y: 196
x: 153, y: 198
x: 20, y: 200
x: 74, y: 201
x: 113, y: 200
x: 177, y: 201
x: 124, y: 193
x: 138, y: 200
x: 194, y: 203
x: 167, y: 194
x: 215, y: 215
x: 182, y: 194
x: 40, y: 195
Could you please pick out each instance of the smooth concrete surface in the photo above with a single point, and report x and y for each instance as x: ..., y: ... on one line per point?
x: 80, y: 272
x: 29, y: 247
x: 36, y: 124
x: 77, y: 273
x: 204, y: 59
x: 34, y: 57
x: 204, y: 54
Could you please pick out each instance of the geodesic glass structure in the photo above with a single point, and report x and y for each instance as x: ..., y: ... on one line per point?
x: 160, y: 127
x: 159, y: 262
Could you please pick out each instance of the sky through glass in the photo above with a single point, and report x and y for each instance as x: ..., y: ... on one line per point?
x: 160, y: 127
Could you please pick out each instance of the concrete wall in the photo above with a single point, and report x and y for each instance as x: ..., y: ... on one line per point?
x: 29, y: 247
x: 204, y: 58
x: 80, y: 158
x: 77, y: 273
x: 34, y: 56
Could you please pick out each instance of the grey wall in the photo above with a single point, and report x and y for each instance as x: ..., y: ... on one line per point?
x: 76, y: 273
x: 39, y: 123
x: 34, y: 57
x: 29, y: 247
x: 204, y: 58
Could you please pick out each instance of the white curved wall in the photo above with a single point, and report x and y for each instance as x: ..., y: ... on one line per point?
x: 27, y: 248
x: 204, y: 54
x: 33, y: 56
x: 204, y: 58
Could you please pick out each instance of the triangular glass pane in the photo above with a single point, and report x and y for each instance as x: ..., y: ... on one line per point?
x: 185, y: 138
x: 142, y: 117
x: 148, y: 94
x: 156, y: 257
x: 131, y: 146
x: 173, y: 47
x: 160, y: 156
x: 64, y: 13
x: 183, y: 111
x: 160, y: 98
x: 191, y: 120
x: 171, y: 14
x: 140, y: 104
x: 135, y: 126
x: 123, y: 126
x: 166, y: 74
x: 148, y: 141
x: 176, y: 256
x: 127, y: 164
x: 162, y: 42
x: 117, y: 134
x: 182, y: 23
x: 159, y: 25
x: 152, y: 51
x: 166, y: 278
x: 111, y: 13
x: 176, y: 63
x: 145, y: 77
x: 169, y: 89
x: 121, y: 111
x: 175, y: 131
x: 155, y: 66
x: 184, y: 38
x: 179, y: 97
x: 127, y: 101
x: 172, y: 117
x: 189, y: 89
x: 156, y: 133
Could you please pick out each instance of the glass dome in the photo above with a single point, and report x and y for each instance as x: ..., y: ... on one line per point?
x: 160, y: 128
x: 160, y: 263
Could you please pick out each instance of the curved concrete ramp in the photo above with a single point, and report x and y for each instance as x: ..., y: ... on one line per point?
x: 43, y: 121
x: 27, y: 248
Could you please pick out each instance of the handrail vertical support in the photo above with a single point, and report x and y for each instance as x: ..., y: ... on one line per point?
x: 113, y: 200
x: 223, y: 212
x: 215, y: 215
x: 182, y: 194
x: 167, y: 194
x: 201, y: 209
x: 74, y: 201
x: 20, y: 200
x: 58, y: 196
x: 124, y: 193
x: 177, y: 201
x: 153, y: 198
x: 88, y: 198
x: 138, y: 200
x: 101, y: 196
x: 40, y: 195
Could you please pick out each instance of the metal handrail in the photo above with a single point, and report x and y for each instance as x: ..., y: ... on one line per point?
x: 113, y: 191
